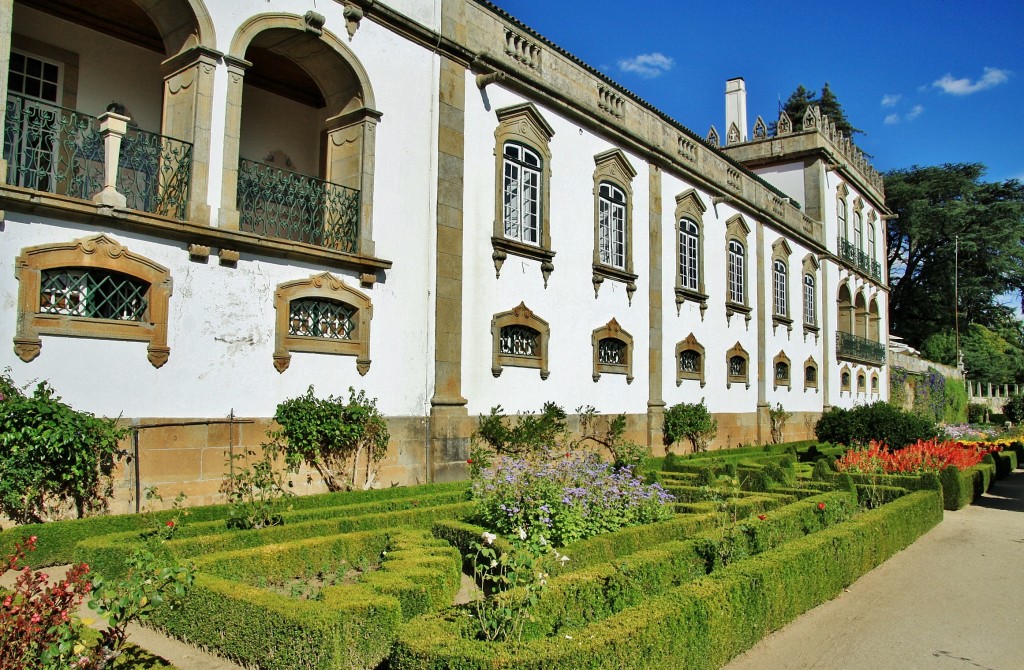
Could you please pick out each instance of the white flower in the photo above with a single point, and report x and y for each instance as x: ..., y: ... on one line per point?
x: 489, y: 538
x: 543, y: 541
x: 522, y: 534
x: 494, y: 563
x: 564, y: 559
x: 568, y: 637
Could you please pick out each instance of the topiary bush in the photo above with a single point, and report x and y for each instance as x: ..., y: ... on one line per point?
x: 976, y: 412
x: 1013, y: 408
x: 878, y: 421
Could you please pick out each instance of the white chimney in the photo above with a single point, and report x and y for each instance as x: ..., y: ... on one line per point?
x: 735, y: 110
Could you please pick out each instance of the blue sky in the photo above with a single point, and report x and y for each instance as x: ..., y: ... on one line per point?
x: 930, y: 82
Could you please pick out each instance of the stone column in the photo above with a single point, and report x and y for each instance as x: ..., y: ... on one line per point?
x: 828, y: 340
x: 188, y: 115
x: 228, y: 215
x: 112, y: 129
x: 450, y: 428
x: 655, y: 397
x: 764, y: 372
x: 6, y: 26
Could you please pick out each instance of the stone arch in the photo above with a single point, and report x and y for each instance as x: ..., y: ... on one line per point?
x: 332, y: 82
x: 874, y: 321
x: 844, y: 300
x: 860, y: 310
x: 182, y: 24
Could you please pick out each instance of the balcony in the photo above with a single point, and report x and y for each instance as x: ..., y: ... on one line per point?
x: 858, y: 349
x: 58, y: 150
x: 273, y: 202
x: 856, y: 258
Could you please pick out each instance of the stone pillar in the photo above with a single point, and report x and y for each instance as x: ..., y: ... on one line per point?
x: 6, y: 26
x: 828, y: 340
x: 450, y: 428
x: 188, y: 115
x: 112, y: 129
x: 765, y: 373
x: 350, y: 149
x: 655, y: 397
x: 228, y: 215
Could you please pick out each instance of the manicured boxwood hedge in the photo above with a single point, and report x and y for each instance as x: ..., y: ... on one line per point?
x: 701, y: 624
x: 56, y: 541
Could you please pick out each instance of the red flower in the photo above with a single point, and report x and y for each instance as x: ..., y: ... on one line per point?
x: 762, y: 517
x: 170, y: 523
x: 821, y: 505
x: 567, y: 454
x: 470, y: 461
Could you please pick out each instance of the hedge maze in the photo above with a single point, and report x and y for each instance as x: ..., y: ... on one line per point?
x: 368, y: 579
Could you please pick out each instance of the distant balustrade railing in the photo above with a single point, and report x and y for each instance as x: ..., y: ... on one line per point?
x: 59, y: 150
x: 850, y: 254
x: 860, y: 349
x: 274, y: 202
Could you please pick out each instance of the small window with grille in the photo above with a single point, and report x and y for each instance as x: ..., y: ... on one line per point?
x: 844, y: 381
x: 519, y: 339
x: 737, y: 369
x: 613, y: 351
x: 689, y: 360
x: 810, y: 376
x: 861, y: 383
x: 782, y: 374
x: 314, y: 317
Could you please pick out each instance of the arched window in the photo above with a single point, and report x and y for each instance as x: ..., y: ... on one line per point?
x: 737, y: 268
x: 689, y: 255
x: 521, y: 194
x: 322, y: 315
x: 781, y: 368
x: 841, y: 216
x: 612, y: 226
x: 92, y: 287
x: 810, y: 374
x: 858, y: 231
x: 872, y: 250
x: 779, y: 276
x: 737, y: 366
x: 519, y: 339
x: 861, y: 383
x: 810, y: 300
x: 874, y: 384
x: 844, y: 379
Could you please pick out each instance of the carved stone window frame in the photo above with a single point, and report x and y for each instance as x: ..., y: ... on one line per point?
x: 781, y: 251
x: 327, y: 287
x: 810, y: 364
x: 810, y: 268
x: 871, y: 236
x: 781, y: 357
x: 522, y: 124
x: 730, y: 379
x: 690, y: 343
x: 737, y: 230
x: 612, y: 330
x: 874, y: 383
x: 845, y: 379
x: 614, y: 168
x: 521, y: 315
x: 690, y: 207
x: 98, y: 252
x: 862, y: 382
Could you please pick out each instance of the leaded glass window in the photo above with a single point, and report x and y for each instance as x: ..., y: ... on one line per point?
x: 611, y: 228
x: 809, y: 300
x: 689, y: 241
x: 779, y: 281
x: 782, y: 372
x: 93, y: 293
x: 689, y: 361
x: 521, y: 193
x: 317, y: 317
x: 736, y: 272
x: 810, y: 375
x: 738, y: 367
x: 519, y: 341
x: 611, y: 351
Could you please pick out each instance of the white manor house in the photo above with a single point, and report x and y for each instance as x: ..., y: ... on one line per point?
x: 210, y: 205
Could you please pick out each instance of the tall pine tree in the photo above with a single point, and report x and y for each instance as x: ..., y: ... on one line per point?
x: 802, y: 98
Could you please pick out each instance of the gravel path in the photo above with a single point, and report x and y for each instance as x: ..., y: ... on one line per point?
x: 954, y: 600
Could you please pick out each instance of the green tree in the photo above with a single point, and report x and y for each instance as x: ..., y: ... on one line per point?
x: 949, y: 218
x: 802, y: 98
x: 690, y: 421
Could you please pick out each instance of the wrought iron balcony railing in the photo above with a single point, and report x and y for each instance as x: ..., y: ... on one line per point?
x: 279, y: 203
x: 59, y: 150
x: 859, y: 349
x: 854, y: 257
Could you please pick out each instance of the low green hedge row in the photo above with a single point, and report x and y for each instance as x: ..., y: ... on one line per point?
x: 1016, y: 447
x: 701, y: 624
x: 580, y: 598
x: 958, y: 488
x: 752, y: 503
x: 56, y: 540
x: 350, y: 626
x: 107, y: 553
x: 1005, y: 461
x: 871, y: 496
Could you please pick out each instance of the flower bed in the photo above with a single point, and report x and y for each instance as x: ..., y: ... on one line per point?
x: 918, y: 458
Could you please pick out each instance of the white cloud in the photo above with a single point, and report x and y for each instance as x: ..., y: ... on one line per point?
x: 890, y: 100
x: 647, y: 66
x: 914, y: 112
x: 891, y: 119
x: 992, y: 76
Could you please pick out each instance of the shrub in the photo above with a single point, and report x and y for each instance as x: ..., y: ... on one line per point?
x: 976, y: 412
x: 1013, y: 408
x: 52, y: 455
x: 691, y: 421
x: 330, y: 435
x: 778, y: 417
x: 254, y: 494
x: 955, y: 409
x: 565, y: 497
x: 880, y: 422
